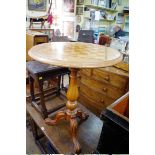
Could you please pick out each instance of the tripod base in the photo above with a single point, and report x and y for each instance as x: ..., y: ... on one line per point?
x: 72, y: 118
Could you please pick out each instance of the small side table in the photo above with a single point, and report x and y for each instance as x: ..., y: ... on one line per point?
x: 74, y: 55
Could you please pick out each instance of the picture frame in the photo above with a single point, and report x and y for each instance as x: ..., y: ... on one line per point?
x: 79, y: 10
x: 38, y: 5
x: 80, y: 2
x: 69, y: 6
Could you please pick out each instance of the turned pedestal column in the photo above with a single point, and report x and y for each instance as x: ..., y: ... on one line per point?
x: 71, y: 112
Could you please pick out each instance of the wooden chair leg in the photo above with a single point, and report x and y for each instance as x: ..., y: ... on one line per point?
x: 34, y: 128
x: 58, y: 85
x: 42, y: 24
x: 31, y: 82
x: 62, y: 82
x: 69, y: 78
x: 31, y: 23
x: 42, y: 102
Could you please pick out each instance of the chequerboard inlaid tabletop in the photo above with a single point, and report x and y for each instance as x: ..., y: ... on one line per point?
x: 75, y: 54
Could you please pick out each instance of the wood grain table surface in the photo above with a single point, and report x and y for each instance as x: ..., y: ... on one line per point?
x: 75, y: 54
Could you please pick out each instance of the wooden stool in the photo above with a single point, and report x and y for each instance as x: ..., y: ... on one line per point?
x: 40, y: 72
x: 37, y: 20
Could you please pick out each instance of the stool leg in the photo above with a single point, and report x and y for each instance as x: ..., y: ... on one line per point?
x: 42, y: 102
x: 42, y: 24
x: 69, y: 78
x: 34, y: 128
x: 31, y: 23
x: 62, y: 82
x: 58, y: 87
x: 31, y: 82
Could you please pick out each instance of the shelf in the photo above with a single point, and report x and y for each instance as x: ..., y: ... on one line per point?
x: 100, y: 7
x: 108, y: 20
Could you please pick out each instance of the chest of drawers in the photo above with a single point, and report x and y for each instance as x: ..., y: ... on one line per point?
x: 33, y: 38
x: 101, y: 87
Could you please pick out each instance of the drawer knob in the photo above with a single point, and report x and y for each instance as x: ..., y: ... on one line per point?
x: 104, y: 89
x: 107, y: 78
x: 102, y: 100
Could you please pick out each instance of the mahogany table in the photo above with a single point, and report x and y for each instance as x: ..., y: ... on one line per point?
x: 74, y: 55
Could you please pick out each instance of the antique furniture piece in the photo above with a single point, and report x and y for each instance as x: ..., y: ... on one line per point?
x: 105, y: 85
x: 58, y: 138
x: 48, y: 31
x: 37, y: 18
x: 38, y: 21
x: 74, y: 55
x: 115, y: 131
x: 34, y: 38
x: 40, y: 72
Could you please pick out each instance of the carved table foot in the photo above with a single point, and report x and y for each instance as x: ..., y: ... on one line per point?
x: 59, y: 116
x: 73, y: 124
x: 82, y: 115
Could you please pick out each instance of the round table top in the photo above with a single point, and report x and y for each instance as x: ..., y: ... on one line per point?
x: 75, y: 54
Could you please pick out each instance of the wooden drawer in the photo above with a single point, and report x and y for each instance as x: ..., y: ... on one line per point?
x: 110, y: 78
x: 91, y: 105
x: 40, y: 39
x: 87, y: 72
x: 103, y: 88
x: 99, y: 99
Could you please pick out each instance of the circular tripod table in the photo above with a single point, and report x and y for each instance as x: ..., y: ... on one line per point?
x: 74, y: 55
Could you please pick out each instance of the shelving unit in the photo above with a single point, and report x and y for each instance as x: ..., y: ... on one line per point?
x: 108, y: 20
x: 108, y: 11
x: 126, y: 23
x: 96, y: 7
